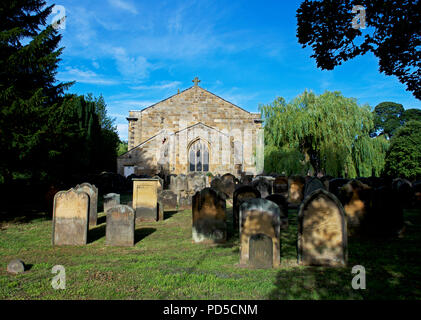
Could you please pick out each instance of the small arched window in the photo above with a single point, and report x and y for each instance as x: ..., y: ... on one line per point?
x: 199, y: 157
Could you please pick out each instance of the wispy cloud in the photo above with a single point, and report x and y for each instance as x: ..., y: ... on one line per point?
x: 124, y: 5
x: 84, y: 76
x: 133, y: 67
x: 162, y: 86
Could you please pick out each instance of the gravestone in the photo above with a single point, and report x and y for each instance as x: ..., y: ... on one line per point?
x: 70, y: 218
x: 120, y: 226
x: 325, y: 180
x: 92, y: 192
x: 356, y: 197
x: 168, y: 199
x: 246, y: 179
x: 209, y: 217
x: 260, y: 234
x: 313, y: 184
x: 184, y: 202
x: 228, y: 184
x: 160, y: 183
x: 280, y: 185
x: 145, y: 199
x: 322, y: 233
x: 295, y: 189
x: 16, y: 266
x: 282, y: 203
x: 196, y: 182
x: 181, y: 183
x: 242, y: 194
x: 263, y: 185
x: 336, y: 184
x: 111, y: 200
x: 216, y: 184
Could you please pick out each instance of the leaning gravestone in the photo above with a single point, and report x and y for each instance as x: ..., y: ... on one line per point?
x: 296, y: 190
x: 168, y: 199
x: 92, y: 192
x: 260, y: 234
x: 209, y: 217
x: 282, y: 203
x: 120, y: 226
x: 111, y: 200
x: 145, y: 199
x: 263, y: 185
x: 70, y: 218
x: 322, y: 233
x: 242, y: 194
x: 16, y: 266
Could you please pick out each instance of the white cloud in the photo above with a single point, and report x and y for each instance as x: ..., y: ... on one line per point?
x: 124, y: 5
x: 135, y: 68
x: 122, y: 130
x: 84, y: 76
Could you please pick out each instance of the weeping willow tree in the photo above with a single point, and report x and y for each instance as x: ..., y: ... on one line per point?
x: 329, y: 131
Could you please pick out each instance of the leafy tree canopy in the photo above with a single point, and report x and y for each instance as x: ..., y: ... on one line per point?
x: 330, y: 131
x: 394, y: 35
x: 388, y: 117
x: 404, y: 156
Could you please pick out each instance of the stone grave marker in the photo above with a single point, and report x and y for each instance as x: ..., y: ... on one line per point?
x: 260, y: 234
x: 313, y: 184
x: 241, y: 194
x: 264, y: 185
x: 168, y: 199
x: 92, y: 192
x: 70, y: 218
x: 295, y: 189
x: 111, y: 200
x: 145, y: 199
x: 280, y: 185
x: 282, y: 203
x: 209, y: 217
x: 120, y: 226
x: 322, y: 232
x: 16, y: 266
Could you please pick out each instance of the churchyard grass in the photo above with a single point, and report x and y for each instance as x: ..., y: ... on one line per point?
x: 165, y: 264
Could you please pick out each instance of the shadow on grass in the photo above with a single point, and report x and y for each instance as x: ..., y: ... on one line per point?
x: 96, y: 233
x: 142, y: 233
x: 392, y: 266
x: 169, y: 214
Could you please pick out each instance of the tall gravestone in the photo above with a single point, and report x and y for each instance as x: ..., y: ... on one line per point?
x: 145, y: 199
x: 120, y: 228
x: 322, y: 232
x: 111, y: 200
x: 70, y: 218
x: 296, y: 189
x: 242, y: 194
x: 209, y: 217
x: 260, y: 234
x: 92, y: 192
x: 280, y: 185
x: 282, y: 203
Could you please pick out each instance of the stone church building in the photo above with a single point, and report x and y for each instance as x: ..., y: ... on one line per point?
x: 193, y: 131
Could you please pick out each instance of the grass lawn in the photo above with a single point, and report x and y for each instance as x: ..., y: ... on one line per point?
x: 165, y: 264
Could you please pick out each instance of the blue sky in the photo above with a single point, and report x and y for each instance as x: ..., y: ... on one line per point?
x: 136, y: 53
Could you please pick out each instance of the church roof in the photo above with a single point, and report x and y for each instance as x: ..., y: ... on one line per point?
x: 196, y: 86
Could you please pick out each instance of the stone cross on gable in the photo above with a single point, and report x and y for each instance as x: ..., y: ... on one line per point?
x: 196, y: 81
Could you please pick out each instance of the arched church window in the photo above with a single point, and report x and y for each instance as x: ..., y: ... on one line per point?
x: 199, y: 157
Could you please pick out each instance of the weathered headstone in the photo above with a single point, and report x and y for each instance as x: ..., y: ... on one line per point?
x: 282, y: 203
x: 120, y: 226
x: 145, y: 199
x: 168, y: 199
x: 313, y: 184
x: 160, y: 183
x: 322, y: 233
x: 209, y: 217
x: 92, y: 192
x: 228, y: 184
x: 263, y: 185
x: 260, y: 234
x: 16, y: 266
x: 242, y: 194
x: 280, y: 185
x: 70, y: 218
x: 111, y: 200
x: 184, y: 202
x: 356, y: 197
x: 196, y: 182
x: 336, y: 184
x: 295, y: 189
